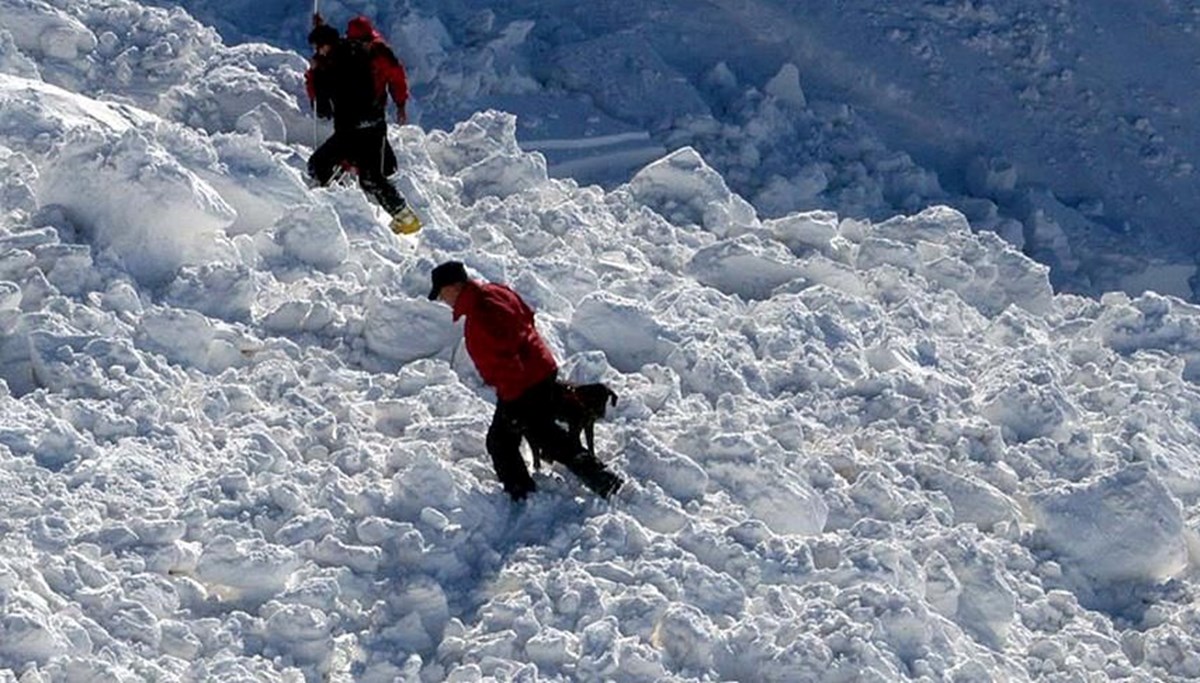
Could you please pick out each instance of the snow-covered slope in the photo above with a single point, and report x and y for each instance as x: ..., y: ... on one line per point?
x: 240, y: 444
x: 1063, y: 126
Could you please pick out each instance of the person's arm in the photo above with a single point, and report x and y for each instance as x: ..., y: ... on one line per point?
x: 315, y: 83
x: 398, y: 86
x: 395, y: 79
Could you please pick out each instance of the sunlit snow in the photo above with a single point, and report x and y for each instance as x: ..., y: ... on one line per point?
x: 240, y: 444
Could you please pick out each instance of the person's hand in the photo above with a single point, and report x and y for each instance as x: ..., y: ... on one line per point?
x: 401, y: 116
x: 318, y: 20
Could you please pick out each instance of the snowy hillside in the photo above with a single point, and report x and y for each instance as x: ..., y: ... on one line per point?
x: 241, y: 445
x: 1064, y: 126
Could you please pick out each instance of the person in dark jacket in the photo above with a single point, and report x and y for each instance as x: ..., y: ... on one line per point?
x: 513, y: 359
x: 349, y: 80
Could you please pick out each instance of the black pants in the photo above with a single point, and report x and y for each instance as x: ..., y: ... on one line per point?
x: 370, y: 153
x: 532, y: 417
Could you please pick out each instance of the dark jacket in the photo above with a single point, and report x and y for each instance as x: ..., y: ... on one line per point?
x: 502, y: 340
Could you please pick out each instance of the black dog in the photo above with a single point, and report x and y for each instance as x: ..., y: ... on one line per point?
x: 580, y: 405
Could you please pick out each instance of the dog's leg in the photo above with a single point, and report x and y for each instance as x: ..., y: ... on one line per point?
x: 589, y: 434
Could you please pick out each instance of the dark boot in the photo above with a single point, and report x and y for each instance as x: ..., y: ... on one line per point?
x: 382, y: 191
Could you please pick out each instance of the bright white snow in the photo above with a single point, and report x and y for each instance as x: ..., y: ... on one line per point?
x: 240, y: 444
x: 1065, y: 127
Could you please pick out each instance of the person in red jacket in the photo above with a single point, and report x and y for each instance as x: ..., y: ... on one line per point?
x: 388, y: 72
x: 349, y: 80
x: 513, y: 359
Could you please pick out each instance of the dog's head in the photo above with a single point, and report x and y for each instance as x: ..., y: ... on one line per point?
x: 594, y: 398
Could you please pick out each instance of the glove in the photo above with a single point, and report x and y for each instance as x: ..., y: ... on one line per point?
x: 318, y: 20
x: 401, y: 116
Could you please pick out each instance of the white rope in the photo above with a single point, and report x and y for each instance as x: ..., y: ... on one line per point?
x: 383, y: 149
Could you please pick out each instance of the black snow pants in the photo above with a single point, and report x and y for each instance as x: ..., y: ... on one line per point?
x: 369, y: 152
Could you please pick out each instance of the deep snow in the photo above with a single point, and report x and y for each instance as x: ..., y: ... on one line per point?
x: 241, y: 445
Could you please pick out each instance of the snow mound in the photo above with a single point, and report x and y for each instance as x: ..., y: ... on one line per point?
x: 1121, y: 527
x: 687, y: 191
x: 88, y: 148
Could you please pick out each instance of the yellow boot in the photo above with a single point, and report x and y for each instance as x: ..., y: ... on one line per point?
x: 405, y: 222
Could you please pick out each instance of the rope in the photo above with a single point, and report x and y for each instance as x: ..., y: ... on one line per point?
x: 383, y: 149
x: 316, y: 11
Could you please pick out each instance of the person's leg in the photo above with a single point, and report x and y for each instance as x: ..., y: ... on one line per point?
x: 370, y: 158
x: 504, y: 445
x: 326, y: 158
x: 389, y: 158
x: 556, y: 444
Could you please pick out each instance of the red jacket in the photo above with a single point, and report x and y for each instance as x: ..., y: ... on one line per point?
x: 502, y: 340
x: 389, y: 72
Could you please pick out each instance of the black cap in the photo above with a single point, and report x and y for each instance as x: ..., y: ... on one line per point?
x: 323, y: 34
x: 449, y: 273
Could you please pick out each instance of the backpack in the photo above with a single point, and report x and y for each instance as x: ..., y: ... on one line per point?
x: 352, y: 84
